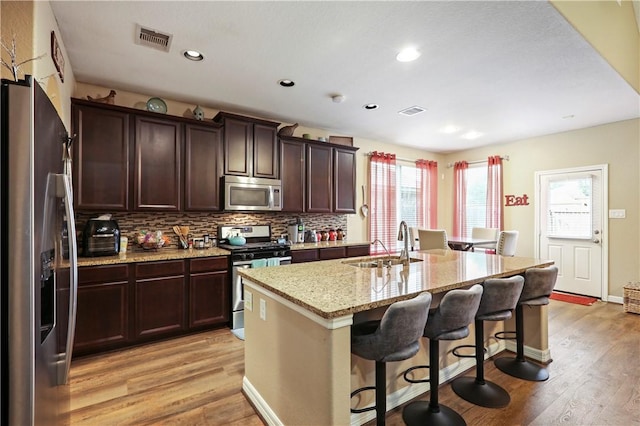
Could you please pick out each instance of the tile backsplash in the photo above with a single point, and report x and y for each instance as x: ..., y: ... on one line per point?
x: 207, y: 223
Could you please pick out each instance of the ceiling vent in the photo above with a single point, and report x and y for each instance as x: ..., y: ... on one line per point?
x: 412, y: 110
x: 152, y: 38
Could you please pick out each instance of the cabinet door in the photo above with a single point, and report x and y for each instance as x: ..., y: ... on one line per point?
x: 238, y: 137
x: 101, y: 159
x: 157, y: 164
x: 292, y: 174
x: 301, y: 256
x: 202, y: 174
x: 102, y: 317
x: 265, y: 152
x: 354, y: 251
x: 344, y: 181
x: 159, y: 306
x: 208, y: 299
x: 319, y: 179
x: 332, y: 253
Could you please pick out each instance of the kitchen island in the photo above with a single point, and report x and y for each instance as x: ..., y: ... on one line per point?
x: 298, y: 364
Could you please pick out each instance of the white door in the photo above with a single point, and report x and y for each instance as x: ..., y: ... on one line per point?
x: 572, y: 227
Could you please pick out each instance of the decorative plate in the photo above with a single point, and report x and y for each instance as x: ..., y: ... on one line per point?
x: 156, y: 105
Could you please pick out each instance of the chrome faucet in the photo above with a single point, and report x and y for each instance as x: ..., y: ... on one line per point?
x: 383, y: 246
x: 403, y: 235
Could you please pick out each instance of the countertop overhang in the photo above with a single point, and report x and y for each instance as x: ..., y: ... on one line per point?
x: 333, y: 288
x: 151, y: 256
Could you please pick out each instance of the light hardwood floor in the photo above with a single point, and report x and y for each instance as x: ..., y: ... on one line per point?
x: 197, y: 380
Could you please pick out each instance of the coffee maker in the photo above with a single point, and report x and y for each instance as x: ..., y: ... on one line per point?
x: 296, y: 232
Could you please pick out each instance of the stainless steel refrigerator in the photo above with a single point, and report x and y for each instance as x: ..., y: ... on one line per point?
x: 38, y: 258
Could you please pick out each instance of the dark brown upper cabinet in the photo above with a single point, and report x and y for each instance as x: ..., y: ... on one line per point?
x: 344, y: 180
x: 202, y: 151
x: 250, y: 146
x: 317, y: 177
x: 100, y: 158
x: 127, y: 159
x: 157, y: 164
x: 292, y: 175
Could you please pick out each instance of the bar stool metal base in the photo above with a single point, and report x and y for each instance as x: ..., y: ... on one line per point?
x: 420, y: 413
x: 486, y: 394
x: 521, y: 369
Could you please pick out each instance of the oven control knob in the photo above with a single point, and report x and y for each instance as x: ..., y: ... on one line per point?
x: 250, y: 256
x: 243, y: 256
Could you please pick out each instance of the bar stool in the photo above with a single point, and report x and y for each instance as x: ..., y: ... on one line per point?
x: 393, y: 338
x: 449, y: 321
x: 499, y: 298
x: 538, y: 285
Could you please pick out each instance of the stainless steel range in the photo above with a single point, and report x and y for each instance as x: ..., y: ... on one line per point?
x: 258, y: 251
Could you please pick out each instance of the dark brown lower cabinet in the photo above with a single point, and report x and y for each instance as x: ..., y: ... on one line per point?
x: 126, y: 304
x: 103, y: 308
x: 208, y: 294
x: 159, y: 298
x: 326, y: 253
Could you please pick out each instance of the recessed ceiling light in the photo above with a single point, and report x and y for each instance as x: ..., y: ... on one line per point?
x: 472, y: 135
x: 407, y: 55
x: 371, y: 106
x: 338, y: 98
x: 193, y: 55
x: 286, y: 83
x: 449, y: 129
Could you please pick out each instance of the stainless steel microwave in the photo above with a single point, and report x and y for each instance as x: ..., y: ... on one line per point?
x: 245, y: 193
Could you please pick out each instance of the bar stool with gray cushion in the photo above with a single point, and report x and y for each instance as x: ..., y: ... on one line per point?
x: 449, y: 321
x: 395, y: 337
x: 499, y: 298
x: 538, y: 285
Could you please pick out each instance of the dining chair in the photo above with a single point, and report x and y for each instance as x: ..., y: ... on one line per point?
x: 485, y: 233
x: 413, y: 235
x: 432, y: 239
x: 507, y: 242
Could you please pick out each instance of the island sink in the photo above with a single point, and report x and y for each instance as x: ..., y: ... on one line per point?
x: 373, y: 262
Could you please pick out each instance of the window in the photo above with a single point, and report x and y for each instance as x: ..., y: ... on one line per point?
x: 400, y: 192
x: 477, y: 196
x: 476, y: 199
x: 569, y: 213
x: 407, y: 195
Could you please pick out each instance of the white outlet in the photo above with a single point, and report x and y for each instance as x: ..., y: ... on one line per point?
x: 248, y: 300
x: 263, y: 309
x: 617, y: 214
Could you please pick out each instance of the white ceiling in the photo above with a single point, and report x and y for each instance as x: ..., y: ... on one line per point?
x: 510, y: 70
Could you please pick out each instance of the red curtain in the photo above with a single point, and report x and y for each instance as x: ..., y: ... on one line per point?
x: 495, y: 209
x: 427, y: 193
x: 460, y: 198
x: 382, y: 181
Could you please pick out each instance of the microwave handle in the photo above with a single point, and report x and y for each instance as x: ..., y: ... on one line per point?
x: 271, y: 199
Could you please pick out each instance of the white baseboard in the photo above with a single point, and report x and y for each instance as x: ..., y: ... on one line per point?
x: 260, y: 404
x: 615, y: 299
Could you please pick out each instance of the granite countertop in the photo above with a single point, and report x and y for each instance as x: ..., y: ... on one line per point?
x: 328, y: 244
x: 151, y: 255
x: 333, y: 288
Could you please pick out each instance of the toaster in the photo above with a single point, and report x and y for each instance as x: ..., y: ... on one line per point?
x: 100, y: 238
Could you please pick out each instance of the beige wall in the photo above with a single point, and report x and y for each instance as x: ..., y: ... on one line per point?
x: 615, y: 144
x: 611, y: 29
x: 32, y: 23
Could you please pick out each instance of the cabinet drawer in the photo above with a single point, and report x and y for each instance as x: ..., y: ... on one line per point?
x: 159, y: 269
x: 209, y: 264
x: 103, y: 274
x: 299, y: 256
x: 332, y: 253
x: 354, y: 251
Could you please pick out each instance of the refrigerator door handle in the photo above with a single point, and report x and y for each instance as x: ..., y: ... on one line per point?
x: 73, y: 272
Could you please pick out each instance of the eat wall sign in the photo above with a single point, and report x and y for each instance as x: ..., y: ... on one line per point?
x: 513, y: 200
